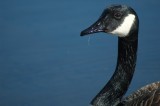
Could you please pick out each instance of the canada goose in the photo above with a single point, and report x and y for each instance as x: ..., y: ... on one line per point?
x: 122, y: 20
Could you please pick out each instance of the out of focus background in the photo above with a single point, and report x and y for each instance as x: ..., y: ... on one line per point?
x: 45, y: 62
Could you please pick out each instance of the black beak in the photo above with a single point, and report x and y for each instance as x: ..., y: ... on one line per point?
x: 98, y: 26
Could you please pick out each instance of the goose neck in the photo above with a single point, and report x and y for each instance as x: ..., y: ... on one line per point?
x: 117, y: 86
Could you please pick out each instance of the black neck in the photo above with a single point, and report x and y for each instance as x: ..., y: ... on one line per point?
x: 117, y: 86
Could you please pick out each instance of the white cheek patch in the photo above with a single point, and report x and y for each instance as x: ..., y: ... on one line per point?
x: 125, y: 27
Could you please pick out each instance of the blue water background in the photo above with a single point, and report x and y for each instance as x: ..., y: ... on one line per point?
x: 45, y: 62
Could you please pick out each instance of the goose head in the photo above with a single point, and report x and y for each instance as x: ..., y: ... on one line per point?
x: 120, y: 20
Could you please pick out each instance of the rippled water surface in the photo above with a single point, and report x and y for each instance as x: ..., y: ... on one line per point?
x: 45, y: 62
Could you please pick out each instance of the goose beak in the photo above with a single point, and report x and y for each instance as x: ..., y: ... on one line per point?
x: 98, y: 26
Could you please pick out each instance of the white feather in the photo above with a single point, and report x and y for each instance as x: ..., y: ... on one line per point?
x: 124, y: 29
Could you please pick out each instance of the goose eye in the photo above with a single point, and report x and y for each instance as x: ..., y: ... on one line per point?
x: 117, y: 15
